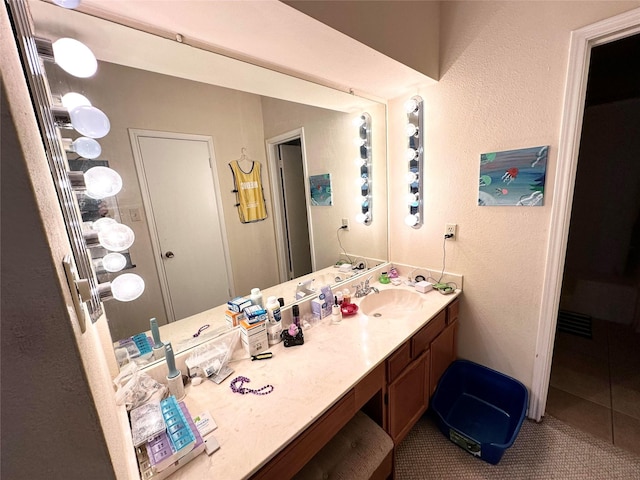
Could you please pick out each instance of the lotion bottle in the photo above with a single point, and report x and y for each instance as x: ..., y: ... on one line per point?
x: 274, y: 326
x: 336, y: 313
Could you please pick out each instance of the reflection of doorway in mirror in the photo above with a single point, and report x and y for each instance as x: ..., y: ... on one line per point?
x: 182, y: 204
x: 290, y: 206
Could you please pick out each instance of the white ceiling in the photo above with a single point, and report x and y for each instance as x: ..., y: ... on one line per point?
x: 272, y: 34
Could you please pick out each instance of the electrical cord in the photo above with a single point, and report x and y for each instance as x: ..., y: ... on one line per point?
x: 447, y: 287
x: 343, y: 227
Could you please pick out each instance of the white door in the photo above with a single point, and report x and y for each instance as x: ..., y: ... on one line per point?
x: 177, y: 172
x: 295, y: 210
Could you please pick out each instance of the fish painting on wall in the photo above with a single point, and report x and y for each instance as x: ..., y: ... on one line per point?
x: 513, y: 177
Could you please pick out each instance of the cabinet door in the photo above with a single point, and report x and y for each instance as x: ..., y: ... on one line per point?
x: 443, y: 352
x: 408, y: 397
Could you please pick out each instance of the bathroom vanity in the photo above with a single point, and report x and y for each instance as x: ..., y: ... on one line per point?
x: 387, y: 366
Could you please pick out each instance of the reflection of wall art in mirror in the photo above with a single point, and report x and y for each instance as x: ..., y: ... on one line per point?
x: 320, y: 186
x: 513, y: 177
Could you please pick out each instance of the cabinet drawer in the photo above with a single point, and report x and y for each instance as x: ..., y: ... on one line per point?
x: 421, y: 340
x: 452, y: 311
x: 397, y: 361
x: 369, y: 386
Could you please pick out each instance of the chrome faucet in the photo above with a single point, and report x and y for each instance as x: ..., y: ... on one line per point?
x: 363, y: 289
x: 304, y: 288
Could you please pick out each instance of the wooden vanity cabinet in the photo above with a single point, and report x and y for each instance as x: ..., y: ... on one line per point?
x: 444, y: 348
x: 408, y: 397
x: 414, y: 369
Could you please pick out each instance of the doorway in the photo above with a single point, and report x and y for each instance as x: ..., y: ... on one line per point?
x: 595, y: 373
x: 181, y: 198
x: 292, y: 219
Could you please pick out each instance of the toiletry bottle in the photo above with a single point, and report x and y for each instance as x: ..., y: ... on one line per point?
x: 295, y: 310
x: 336, y: 314
x: 346, y: 296
x: 384, y: 278
x: 274, y: 326
x: 158, y: 346
x: 256, y: 297
x: 339, y: 297
x: 174, y: 376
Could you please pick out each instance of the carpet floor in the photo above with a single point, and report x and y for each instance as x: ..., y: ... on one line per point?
x: 546, y: 450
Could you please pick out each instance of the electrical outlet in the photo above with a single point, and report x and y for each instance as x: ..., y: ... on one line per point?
x: 345, y: 223
x: 451, y: 229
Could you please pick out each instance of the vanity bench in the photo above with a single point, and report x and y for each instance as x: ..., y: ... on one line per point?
x: 385, y: 368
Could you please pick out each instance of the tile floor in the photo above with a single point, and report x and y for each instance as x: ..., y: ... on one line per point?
x: 595, y: 383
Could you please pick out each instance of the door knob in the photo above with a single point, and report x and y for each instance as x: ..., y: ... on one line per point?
x: 169, y: 255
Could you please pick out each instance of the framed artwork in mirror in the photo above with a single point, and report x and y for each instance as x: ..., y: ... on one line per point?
x: 320, y: 187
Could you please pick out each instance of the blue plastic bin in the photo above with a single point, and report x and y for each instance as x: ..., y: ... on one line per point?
x: 479, y: 409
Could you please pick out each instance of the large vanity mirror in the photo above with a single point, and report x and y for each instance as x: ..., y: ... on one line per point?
x: 179, y: 117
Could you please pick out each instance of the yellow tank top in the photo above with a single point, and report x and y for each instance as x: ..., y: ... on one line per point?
x: 249, y: 194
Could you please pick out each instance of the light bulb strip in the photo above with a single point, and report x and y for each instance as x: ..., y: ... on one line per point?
x: 415, y: 116
x: 365, y: 216
x: 38, y: 85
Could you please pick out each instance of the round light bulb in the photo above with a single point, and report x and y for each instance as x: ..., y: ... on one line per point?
x: 116, y: 237
x: 90, y: 121
x: 411, y: 177
x: 359, y: 121
x: 114, y: 262
x: 411, y: 105
x: 86, y: 147
x: 411, y: 220
x: 410, y: 130
x: 74, y: 57
x: 101, y: 223
x: 412, y: 199
x: 362, y: 217
x: 67, y: 3
x: 360, y: 161
x: 127, y: 287
x: 72, y: 100
x: 411, y: 154
x: 102, y: 182
x: 359, y: 142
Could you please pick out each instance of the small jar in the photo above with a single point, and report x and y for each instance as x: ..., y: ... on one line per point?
x: 346, y: 296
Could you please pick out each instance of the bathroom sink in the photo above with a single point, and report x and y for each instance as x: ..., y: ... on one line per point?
x: 391, y: 303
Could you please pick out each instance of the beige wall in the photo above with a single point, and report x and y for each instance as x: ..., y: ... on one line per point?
x: 503, y: 68
x: 407, y: 31
x: 329, y: 137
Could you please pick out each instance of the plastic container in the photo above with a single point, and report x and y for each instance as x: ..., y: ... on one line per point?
x: 479, y: 409
x: 256, y: 297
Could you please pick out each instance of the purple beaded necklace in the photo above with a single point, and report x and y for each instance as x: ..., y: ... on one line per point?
x: 244, y: 390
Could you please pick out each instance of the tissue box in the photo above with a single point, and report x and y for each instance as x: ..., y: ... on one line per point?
x: 320, y: 308
x: 233, y: 318
x: 238, y: 304
x: 423, y: 287
x: 254, y: 337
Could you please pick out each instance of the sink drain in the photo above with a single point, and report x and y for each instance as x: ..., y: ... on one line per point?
x: 377, y: 315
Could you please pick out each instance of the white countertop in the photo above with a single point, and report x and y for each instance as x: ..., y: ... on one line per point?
x: 307, y: 381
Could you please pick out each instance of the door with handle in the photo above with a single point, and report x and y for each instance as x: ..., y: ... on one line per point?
x: 185, y: 220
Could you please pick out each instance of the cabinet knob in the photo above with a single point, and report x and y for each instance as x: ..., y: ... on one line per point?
x: 169, y: 254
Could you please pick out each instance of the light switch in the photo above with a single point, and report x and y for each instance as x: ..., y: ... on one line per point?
x: 134, y: 213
